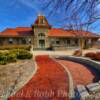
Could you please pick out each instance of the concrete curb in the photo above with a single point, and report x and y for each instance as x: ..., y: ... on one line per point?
x: 71, y: 93
x: 83, y: 60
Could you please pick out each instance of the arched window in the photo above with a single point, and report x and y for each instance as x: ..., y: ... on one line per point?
x: 29, y: 40
x: 42, y: 21
x: 41, y: 36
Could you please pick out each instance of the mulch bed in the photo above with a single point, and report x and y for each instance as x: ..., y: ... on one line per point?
x: 49, y: 83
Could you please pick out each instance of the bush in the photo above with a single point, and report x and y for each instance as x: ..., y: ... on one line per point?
x: 3, y: 62
x: 3, y: 57
x: 22, y: 54
x: 97, y: 56
x: 13, y: 55
x: 77, y: 53
x: 94, y: 56
x: 25, y: 47
x: 90, y: 55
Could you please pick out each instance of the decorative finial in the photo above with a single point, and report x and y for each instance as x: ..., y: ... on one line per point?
x: 40, y: 14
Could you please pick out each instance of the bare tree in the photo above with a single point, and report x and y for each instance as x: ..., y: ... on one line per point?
x: 79, y: 14
x: 82, y: 12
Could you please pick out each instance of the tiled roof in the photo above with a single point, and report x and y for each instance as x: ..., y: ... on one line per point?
x: 24, y: 30
x: 54, y: 32
x: 9, y: 32
x: 19, y: 31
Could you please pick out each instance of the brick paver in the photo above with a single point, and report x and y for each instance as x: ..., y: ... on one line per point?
x: 81, y: 74
x: 49, y: 83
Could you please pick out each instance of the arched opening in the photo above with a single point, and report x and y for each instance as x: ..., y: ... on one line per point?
x: 10, y: 40
x: 41, y: 37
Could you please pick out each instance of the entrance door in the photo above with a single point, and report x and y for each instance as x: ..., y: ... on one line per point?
x: 42, y: 43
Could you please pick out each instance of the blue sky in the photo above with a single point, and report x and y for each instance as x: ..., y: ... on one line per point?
x: 17, y: 13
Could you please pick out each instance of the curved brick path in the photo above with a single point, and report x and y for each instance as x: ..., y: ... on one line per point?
x: 80, y: 73
x: 49, y: 83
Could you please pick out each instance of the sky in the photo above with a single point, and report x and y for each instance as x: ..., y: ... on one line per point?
x: 23, y: 13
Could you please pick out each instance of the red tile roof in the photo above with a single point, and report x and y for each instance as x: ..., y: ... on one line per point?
x: 24, y: 31
x: 19, y: 31
x: 54, y: 32
x: 9, y: 32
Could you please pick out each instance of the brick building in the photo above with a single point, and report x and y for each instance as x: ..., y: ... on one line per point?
x: 42, y: 36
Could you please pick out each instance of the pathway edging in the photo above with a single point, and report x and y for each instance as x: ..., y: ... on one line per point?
x: 34, y: 72
x: 71, y: 93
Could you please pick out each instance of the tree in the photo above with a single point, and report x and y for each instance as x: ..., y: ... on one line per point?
x: 79, y: 14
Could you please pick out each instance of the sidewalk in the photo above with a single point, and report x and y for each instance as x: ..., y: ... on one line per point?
x: 49, y: 83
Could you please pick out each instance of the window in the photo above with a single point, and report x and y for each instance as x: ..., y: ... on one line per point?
x: 29, y: 41
x: 41, y: 21
x: 68, y: 41
x: 57, y: 42
x: 10, y: 41
x: 1, y: 41
x: 41, y: 36
x: 41, y: 43
x: 23, y: 41
x: 76, y: 41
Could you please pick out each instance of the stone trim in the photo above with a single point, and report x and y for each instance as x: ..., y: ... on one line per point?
x: 71, y: 93
x: 81, y: 60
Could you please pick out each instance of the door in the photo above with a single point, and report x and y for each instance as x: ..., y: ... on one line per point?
x: 42, y: 43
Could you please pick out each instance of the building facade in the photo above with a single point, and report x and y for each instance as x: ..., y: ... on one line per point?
x: 43, y: 36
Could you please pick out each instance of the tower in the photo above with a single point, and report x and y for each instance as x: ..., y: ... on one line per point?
x: 41, y: 28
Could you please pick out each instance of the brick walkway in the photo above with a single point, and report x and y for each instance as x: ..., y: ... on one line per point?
x: 49, y: 83
x: 81, y: 74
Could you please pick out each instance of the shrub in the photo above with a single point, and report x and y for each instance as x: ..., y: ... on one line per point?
x: 25, y: 47
x: 7, y: 57
x: 3, y: 57
x: 22, y: 54
x: 3, y: 62
x: 94, y: 56
x: 97, y: 56
x: 77, y: 53
x: 90, y: 55
x: 13, y: 55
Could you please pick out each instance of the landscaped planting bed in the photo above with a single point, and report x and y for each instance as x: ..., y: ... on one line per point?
x: 11, y: 47
x: 14, y: 55
x: 81, y: 74
x: 14, y: 75
x: 49, y: 83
